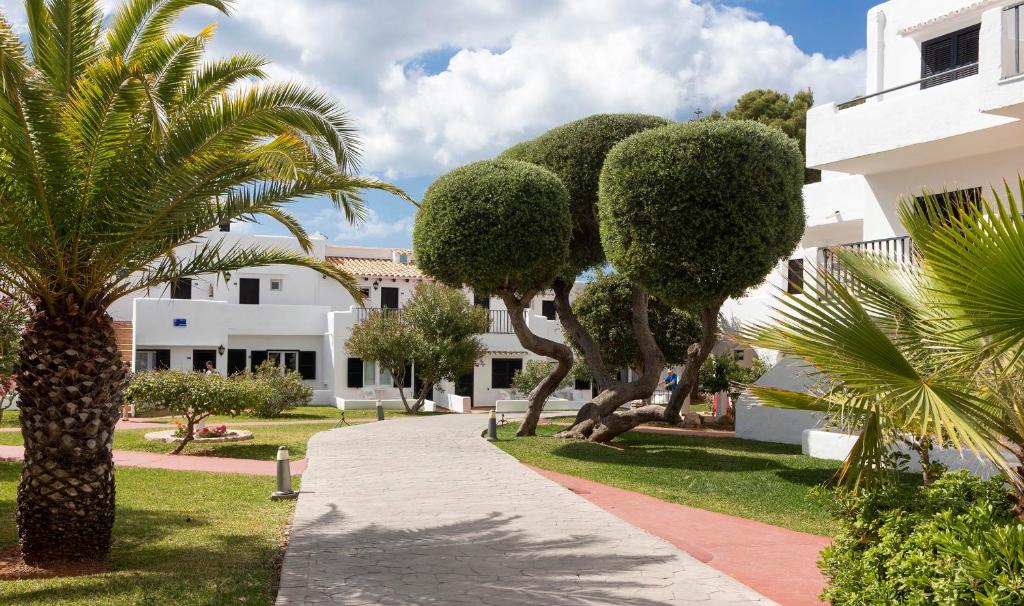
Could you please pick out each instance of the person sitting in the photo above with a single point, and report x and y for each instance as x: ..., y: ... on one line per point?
x: 671, y: 380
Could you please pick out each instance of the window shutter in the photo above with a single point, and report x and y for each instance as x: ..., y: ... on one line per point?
x: 795, y: 277
x: 307, y: 365
x: 256, y: 358
x: 355, y: 372
x: 236, y: 361
x: 548, y: 309
x: 163, y: 359
x: 959, y: 49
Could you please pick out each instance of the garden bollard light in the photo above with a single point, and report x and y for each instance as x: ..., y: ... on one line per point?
x: 284, y: 476
x: 380, y: 411
x: 492, y: 427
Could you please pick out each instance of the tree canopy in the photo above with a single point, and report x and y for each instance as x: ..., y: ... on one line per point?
x: 575, y: 152
x: 494, y: 224
x: 782, y: 112
x: 605, y: 309
x: 701, y: 211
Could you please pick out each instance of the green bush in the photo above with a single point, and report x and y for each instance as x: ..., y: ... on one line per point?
x: 283, y: 390
x: 575, y: 152
x: 701, y: 211
x: 494, y: 224
x: 955, y: 542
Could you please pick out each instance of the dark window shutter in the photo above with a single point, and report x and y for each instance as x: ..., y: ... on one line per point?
x: 389, y: 297
x: 967, y: 46
x: 181, y: 288
x: 307, y: 365
x: 502, y: 371
x: 482, y: 300
x: 256, y: 358
x: 249, y: 291
x: 581, y: 384
x: 236, y: 361
x: 355, y: 372
x: 950, y: 52
x: 795, y: 277
x: 163, y: 359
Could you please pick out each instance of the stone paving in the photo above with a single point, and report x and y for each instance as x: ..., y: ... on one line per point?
x: 426, y: 512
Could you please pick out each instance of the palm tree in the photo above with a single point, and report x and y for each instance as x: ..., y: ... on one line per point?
x: 926, y: 352
x: 120, y: 141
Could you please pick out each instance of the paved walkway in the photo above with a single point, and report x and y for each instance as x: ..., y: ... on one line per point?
x: 778, y: 562
x: 152, y: 460
x: 427, y: 512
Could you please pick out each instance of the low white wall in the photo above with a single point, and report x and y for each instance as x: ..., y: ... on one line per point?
x: 460, y: 404
x: 552, y: 405
x: 822, y: 444
x: 347, y: 404
x: 767, y: 424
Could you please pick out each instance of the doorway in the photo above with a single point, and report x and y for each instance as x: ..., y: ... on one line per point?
x: 249, y: 291
x: 201, y: 356
x: 464, y: 386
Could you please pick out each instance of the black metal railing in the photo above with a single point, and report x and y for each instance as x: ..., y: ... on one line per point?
x: 963, y: 71
x: 898, y: 249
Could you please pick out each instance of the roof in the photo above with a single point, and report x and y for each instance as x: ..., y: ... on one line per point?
x: 376, y: 267
x: 940, y: 18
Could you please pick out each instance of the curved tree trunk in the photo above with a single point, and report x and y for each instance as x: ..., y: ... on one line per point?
x: 70, y: 376
x: 560, y: 352
x: 614, y: 395
x: 613, y: 424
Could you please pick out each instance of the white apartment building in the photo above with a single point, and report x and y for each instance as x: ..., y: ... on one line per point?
x: 942, y: 112
x: 300, y: 320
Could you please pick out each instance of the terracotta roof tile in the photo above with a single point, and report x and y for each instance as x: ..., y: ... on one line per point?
x: 376, y: 267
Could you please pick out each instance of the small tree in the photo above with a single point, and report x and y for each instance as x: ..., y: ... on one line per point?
x: 194, y: 396
x: 729, y: 177
x: 284, y: 390
x: 446, y: 325
x: 500, y: 227
x: 532, y: 374
x: 386, y: 338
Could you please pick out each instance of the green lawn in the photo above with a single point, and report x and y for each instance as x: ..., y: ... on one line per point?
x: 263, y: 446
x: 180, y: 538
x: 301, y: 413
x: 756, y: 480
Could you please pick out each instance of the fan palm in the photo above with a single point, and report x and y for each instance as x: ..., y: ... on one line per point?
x: 927, y: 352
x: 120, y: 141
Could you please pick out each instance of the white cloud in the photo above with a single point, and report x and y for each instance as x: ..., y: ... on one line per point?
x: 518, y: 67
x: 332, y: 224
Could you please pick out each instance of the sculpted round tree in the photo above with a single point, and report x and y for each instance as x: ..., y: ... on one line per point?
x: 500, y: 227
x: 697, y: 213
x: 120, y: 141
x: 576, y: 152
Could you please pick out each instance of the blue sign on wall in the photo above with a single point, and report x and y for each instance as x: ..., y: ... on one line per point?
x: 180, y: 322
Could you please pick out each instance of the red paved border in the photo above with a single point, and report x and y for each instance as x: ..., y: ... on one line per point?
x: 152, y: 460
x: 776, y: 562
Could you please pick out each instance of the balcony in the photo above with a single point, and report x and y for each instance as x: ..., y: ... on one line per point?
x: 500, y: 321
x: 961, y: 112
x: 899, y: 249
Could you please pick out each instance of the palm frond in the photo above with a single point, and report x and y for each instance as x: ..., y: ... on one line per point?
x: 138, y: 24
x: 76, y: 41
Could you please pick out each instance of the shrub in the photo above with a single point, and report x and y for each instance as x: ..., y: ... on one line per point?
x: 283, y: 390
x: 955, y: 542
x: 193, y: 396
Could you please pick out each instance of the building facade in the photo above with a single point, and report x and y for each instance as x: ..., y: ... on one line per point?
x: 300, y: 321
x: 942, y: 112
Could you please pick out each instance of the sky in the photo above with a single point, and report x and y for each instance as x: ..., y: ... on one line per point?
x: 433, y: 84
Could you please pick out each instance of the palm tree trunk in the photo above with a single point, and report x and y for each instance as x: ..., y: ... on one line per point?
x: 70, y: 376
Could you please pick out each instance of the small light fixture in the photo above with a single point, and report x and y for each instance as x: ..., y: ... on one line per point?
x: 220, y: 350
x: 227, y: 276
x: 376, y: 285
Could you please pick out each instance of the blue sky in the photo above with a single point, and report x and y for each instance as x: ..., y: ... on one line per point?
x: 432, y: 85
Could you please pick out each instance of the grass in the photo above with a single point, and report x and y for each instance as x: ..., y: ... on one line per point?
x: 301, y: 413
x: 263, y: 446
x: 755, y: 480
x: 180, y: 538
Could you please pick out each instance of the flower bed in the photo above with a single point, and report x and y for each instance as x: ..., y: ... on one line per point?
x: 207, y: 435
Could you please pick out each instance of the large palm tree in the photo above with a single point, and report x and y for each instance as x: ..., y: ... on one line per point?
x: 927, y: 352
x: 119, y: 142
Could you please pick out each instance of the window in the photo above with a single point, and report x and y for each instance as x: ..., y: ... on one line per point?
x: 236, y: 361
x: 581, y: 384
x: 952, y: 204
x: 307, y: 365
x: 354, y: 372
x: 369, y: 373
x: 502, y: 370
x: 366, y: 292
x: 225, y: 227
x: 181, y: 288
x: 389, y: 297
x: 795, y: 277
x: 276, y: 285
x: 482, y: 301
x: 953, y: 55
x: 285, y: 360
x: 403, y: 259
x: 547, y: 309
x: 152, y: 359
x: 201, y: 356
x: 1013, y: 41
x: 249, y: 291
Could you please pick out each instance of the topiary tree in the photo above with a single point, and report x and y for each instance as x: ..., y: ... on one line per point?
x: 738, y: 178
x: 500, y: 227
x: 779, y: 110
x: 575, y: 152
x: 605, y: 310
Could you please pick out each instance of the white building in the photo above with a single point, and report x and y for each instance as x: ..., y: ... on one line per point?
x: 942, y: 112
x: 301, y: 321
